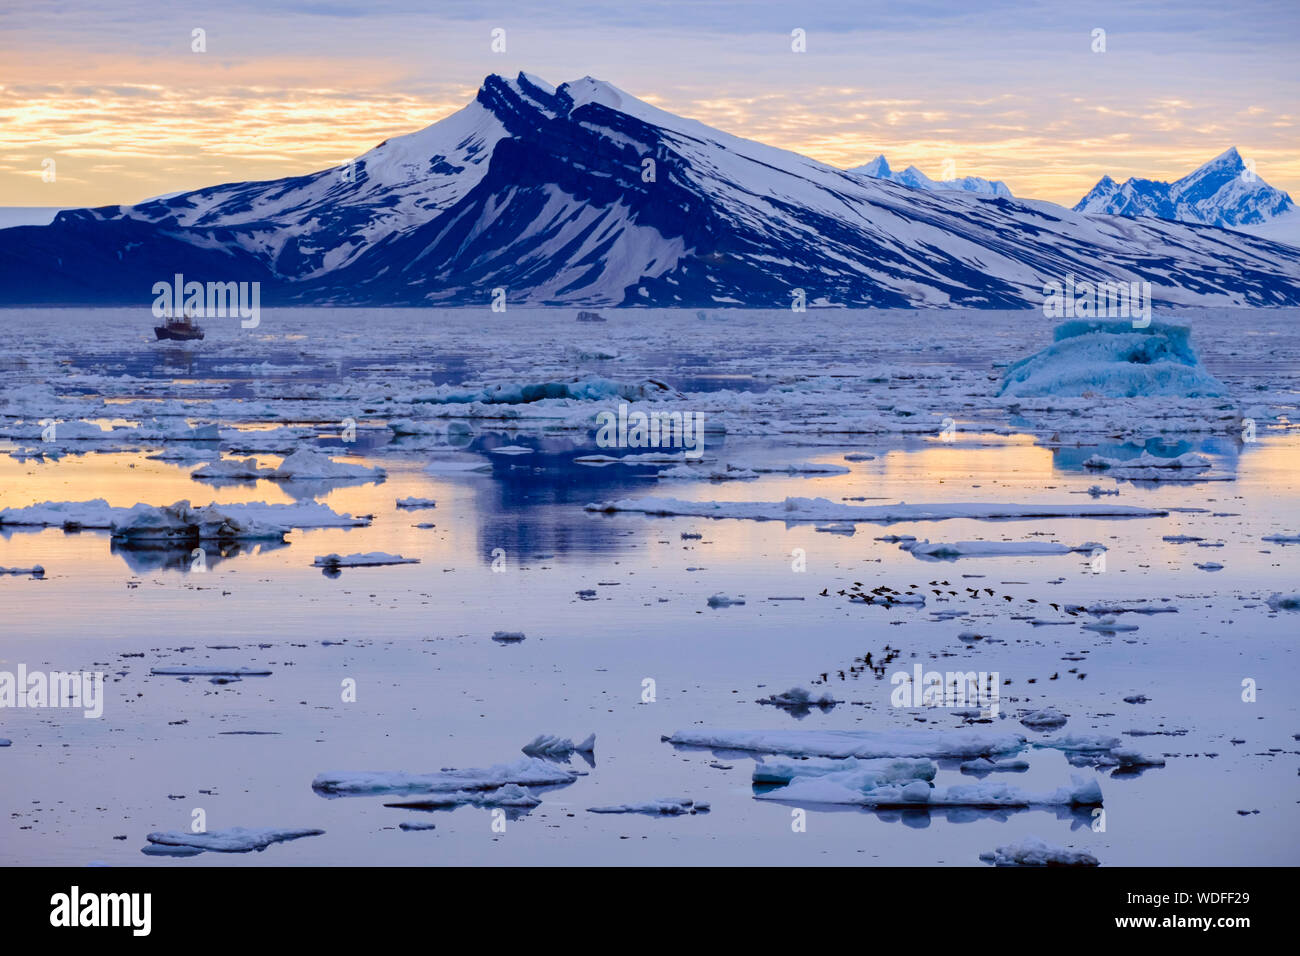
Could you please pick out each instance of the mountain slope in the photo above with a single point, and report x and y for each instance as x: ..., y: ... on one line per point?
x: 1220, y: 193
x: 584, y: 195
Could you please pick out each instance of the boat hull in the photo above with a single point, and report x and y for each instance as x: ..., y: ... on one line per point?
x: 180, y: 335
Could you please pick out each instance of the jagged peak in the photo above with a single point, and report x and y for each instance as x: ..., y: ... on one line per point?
x: 1229, y: 157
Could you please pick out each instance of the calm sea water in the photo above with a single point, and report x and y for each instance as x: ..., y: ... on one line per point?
x: 433, y: 690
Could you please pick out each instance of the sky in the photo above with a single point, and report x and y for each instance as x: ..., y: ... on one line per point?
x: 114, y: 93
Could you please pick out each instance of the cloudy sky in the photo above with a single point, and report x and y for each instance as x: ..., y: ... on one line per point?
x: 1009, y: 89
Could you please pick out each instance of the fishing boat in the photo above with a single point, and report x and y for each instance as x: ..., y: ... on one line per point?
x: 184, y: 329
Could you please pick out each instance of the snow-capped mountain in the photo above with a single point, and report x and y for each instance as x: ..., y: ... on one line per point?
x: 878, y: 168
x: 1223, y: 192
x: 585, y: 195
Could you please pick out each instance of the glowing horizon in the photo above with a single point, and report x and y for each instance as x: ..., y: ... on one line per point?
x: 116, y: 97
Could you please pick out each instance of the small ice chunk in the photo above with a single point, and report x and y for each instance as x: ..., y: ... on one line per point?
x: 1046, y: 719
x: 1031, y: 851
x: 723, y: 600
x: 664, y: 806
x: 371, y: 559
x: 415, y: 503
x: 549, y: 745
x: 202, y: 670
x: 799, y: 697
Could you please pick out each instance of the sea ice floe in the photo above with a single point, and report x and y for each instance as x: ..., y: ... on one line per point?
x: 1098, y: 750
x: 707, y: 473
x: 855, y: 743
x: 857, y: 788
x: 797, y: 698
x: 550, y: 745
x: 1046, y: 719
x: 966, y: 549
x: 181, y: 524
x: 822, y: 509
x: 308, y: 463
x: 371, y: 559
x: 984, y: 765
x: 416, y: 503
x: 664, y: 806
x: 232, y: 840
x: 1031, y: 851
x: 589, y: 389
x: 771, y: 770
x: 303, y: 464
x: 1189, y: 461
x: 526, y: 772
x: 203, y: 670
x: 509, y: 795
x: 180, y: 519
x: 1130, y: 608
x: 508, y: 637
x: 1109, y: 625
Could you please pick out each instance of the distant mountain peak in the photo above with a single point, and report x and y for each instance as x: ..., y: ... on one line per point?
x: 912, y: 177
x: 1224, y: 192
